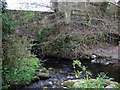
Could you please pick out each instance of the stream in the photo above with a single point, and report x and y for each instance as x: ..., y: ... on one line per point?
x: 63, y: 71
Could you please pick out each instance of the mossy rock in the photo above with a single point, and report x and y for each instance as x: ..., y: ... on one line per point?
x: 50, y: 69
x: 43, y: 76
x: 36, y: 78
x: 68, y: 83
x: 71, y: 83
x: 76, y: 83
x: 45, y: 88
x: 43, y: 70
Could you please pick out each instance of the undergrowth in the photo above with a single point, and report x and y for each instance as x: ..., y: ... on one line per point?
x: 100, y: 82
x: 19, y: 65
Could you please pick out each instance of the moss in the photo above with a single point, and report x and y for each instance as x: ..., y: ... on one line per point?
x: 68, y: 83
x: 43, y: 76
x: 36, y: 78
x: 50, y: 69
x: 43, y: 70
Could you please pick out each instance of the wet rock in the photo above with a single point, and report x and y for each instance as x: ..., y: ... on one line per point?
x: 45, y: 88
x: 65, y: 88
x: 77, y: 83
x: 58, y: 82
x: 53, y: 86
x: 84, y: 56
x: 71, y: 77
x: 109, y: 86
x: 61, y: 71
x: 42, y: 70
x: 105, y: 61
x: 93, y: 61
x: 49, y: 84
x: 44, y: 76
x: 93, y: 56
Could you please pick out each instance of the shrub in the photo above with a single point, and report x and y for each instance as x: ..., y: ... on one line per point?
x: 84, y: 69
x: 19, y: 65
x: 100, y: 82
x: 22, y: 73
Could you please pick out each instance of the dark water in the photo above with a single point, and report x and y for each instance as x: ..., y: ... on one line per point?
x: 63, y: 71
x: 112, y: 71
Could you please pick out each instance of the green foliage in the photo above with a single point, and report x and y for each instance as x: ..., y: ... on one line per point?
x: 65, y: 44
x: 27, y: 15
x: 45, y: 32
x: 76, y: 62
x: 22, y: 73
x: 112, y: 10
x: 19, y: 65
x: 50, y: 44
x: 84, y: 69
x: 60, y: 43
x: 21, y: 16
x: 7, y: 25
x: 5, y: 87
x: 99, y: 82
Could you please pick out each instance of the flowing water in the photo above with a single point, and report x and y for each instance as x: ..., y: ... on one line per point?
x: 63, y: 71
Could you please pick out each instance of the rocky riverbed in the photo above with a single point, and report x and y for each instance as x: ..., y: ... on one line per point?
x: 61, y: 70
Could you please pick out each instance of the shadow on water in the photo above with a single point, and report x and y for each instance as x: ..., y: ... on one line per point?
x: 66, y: 65
x: 64, y: 71
x: 112, y: 71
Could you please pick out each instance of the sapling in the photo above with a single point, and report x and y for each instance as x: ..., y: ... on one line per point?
x: 78, y: 72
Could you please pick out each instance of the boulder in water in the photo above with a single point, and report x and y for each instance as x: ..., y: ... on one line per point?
x: 68, y: 83
x: 36, y: 78
x: 44, y: 76
x: 50, y: 69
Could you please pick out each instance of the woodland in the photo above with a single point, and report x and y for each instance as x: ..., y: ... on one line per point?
x: 74, y: 46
